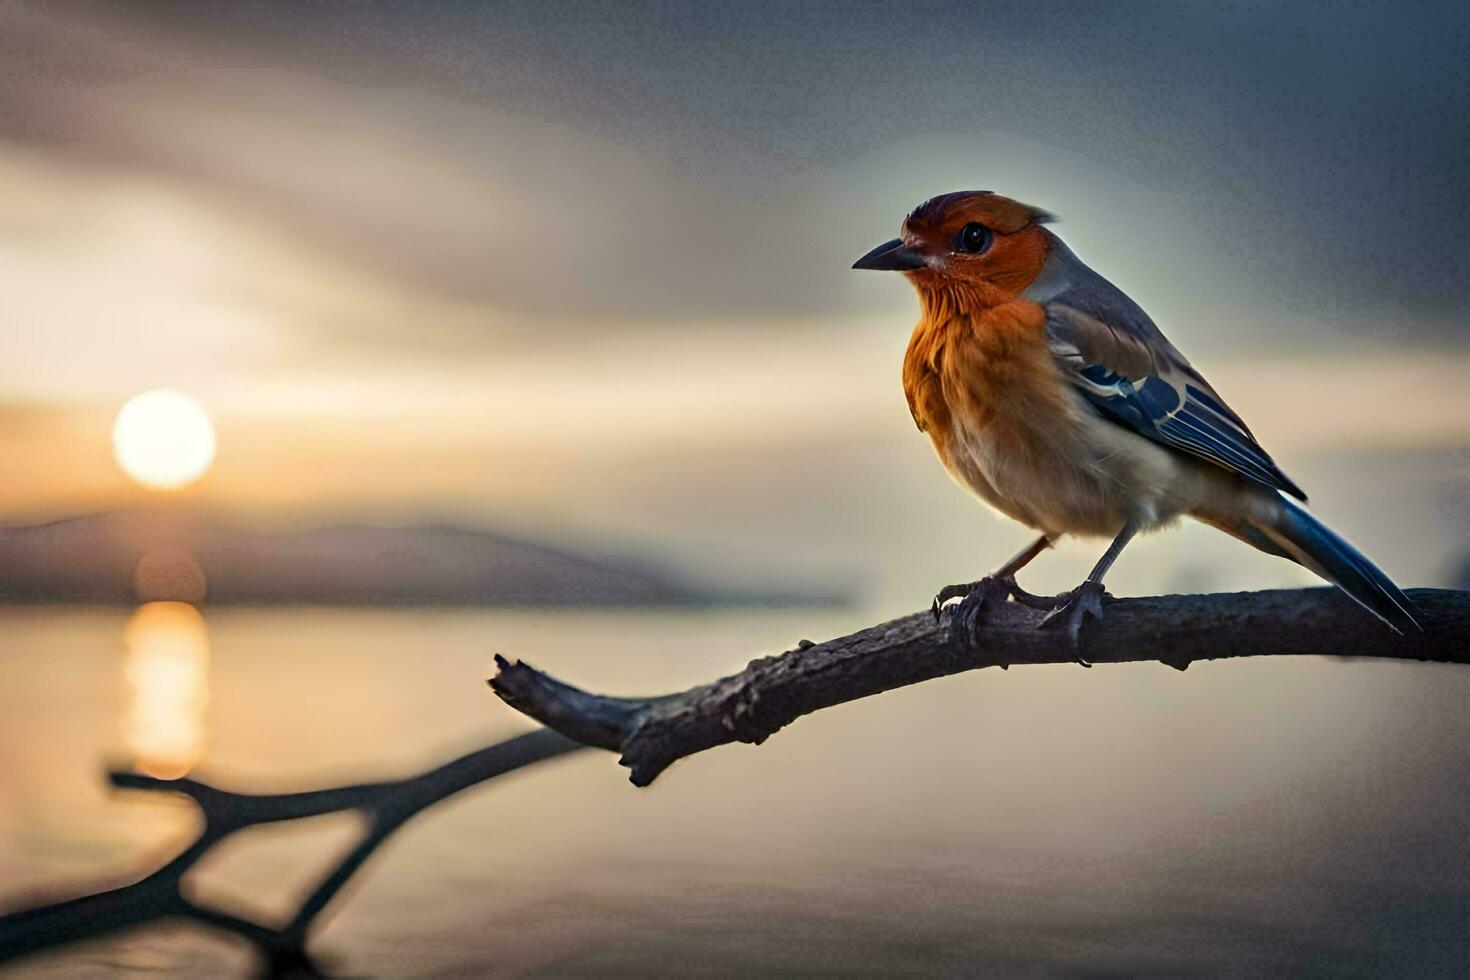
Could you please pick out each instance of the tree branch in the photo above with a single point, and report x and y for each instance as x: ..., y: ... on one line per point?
x: 126, y: 901
x: 652, y: 733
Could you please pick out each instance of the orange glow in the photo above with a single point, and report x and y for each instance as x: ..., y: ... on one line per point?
x: 167, y: 671
x: 168, y: 573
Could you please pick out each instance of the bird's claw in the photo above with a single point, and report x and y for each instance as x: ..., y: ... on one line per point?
x: 978, y: 598
x: 950, y: 593
x: 1082, y: 603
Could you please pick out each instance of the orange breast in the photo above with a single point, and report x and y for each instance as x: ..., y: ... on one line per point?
x: 980, y: 370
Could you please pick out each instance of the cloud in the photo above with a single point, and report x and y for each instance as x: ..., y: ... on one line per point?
x: 472, y: 204
x: 666, y: 167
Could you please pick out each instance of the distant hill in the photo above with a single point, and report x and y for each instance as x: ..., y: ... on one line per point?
x: 122, y: 556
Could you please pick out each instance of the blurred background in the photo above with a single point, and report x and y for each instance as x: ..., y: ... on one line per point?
x: 346, y: 346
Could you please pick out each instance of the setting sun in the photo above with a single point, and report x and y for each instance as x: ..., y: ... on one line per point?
x: 163, y: 439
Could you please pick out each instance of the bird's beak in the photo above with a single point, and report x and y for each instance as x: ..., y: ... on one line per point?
x: 892, y: 257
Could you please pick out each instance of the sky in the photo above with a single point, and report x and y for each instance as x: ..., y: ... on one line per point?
x: 583, y: 269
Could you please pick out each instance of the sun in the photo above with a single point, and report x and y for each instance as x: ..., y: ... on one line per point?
x: 163, y: 439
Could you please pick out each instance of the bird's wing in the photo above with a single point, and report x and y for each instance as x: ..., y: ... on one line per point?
x: 1125, y: 367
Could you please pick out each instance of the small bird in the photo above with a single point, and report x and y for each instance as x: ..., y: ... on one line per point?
x: 1054, y: 398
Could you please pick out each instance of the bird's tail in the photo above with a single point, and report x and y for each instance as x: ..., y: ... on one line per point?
x: 1294, y: 533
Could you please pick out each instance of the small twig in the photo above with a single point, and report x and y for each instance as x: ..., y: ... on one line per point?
x: 652, y: 733
x: 158, y: 895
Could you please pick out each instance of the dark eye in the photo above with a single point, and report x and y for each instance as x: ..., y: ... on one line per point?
x: 974, y: 237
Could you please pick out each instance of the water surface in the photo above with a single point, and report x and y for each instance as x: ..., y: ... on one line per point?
x: 1299, y: 815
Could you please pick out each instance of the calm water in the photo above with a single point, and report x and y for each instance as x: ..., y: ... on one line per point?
x: 1301, y: 815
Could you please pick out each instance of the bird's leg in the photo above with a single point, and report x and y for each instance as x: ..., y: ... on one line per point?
x: 1087, y: 599
x: 999, y: 585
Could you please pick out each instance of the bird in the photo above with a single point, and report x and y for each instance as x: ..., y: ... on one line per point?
x: 1053, y: 397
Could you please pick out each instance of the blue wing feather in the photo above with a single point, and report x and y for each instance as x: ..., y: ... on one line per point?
x: 1125, y: 367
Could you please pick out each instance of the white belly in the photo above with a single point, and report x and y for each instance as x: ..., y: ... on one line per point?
x: 1086, y: 477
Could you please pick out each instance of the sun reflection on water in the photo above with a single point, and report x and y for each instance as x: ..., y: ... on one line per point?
x: 167, y: 671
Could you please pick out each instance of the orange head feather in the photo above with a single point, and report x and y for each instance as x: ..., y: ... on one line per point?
x: 967, y: 251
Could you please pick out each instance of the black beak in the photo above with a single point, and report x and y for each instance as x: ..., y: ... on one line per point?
x: 891, y: 257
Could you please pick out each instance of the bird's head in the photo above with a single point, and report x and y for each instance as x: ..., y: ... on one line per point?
x: 973, y: 249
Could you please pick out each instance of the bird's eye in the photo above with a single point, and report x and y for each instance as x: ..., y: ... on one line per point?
x: 974, y: 237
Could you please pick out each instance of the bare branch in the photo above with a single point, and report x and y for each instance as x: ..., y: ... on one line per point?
x: 652, y: 733
x: 127, y: 901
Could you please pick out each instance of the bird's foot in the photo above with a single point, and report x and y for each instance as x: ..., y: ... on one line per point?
x: 1073, y: 610
x: 947, y: 595
x: 976, y: 599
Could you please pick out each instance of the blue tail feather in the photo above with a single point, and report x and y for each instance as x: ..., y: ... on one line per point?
x: 1319, y: 548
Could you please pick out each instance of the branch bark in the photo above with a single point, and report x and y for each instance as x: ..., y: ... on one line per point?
x: 652, y: 733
